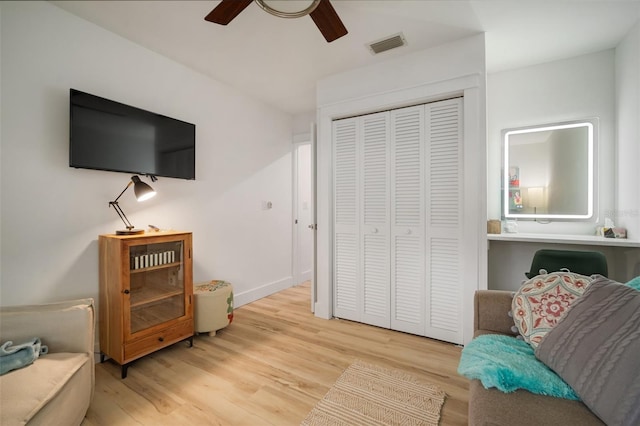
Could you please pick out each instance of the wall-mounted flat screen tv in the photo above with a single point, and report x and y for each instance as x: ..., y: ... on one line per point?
x: 108, y: 135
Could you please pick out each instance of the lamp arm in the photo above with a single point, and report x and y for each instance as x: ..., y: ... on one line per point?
x: 118, y: 210
x: 118, y: 197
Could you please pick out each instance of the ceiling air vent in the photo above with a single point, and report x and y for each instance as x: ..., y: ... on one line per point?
x: 387, y: 43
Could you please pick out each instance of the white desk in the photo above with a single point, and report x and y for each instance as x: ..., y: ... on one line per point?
x: 590, y: 240
x: 510, y: 255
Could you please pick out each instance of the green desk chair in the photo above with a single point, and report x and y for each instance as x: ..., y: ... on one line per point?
x: 579, y: 262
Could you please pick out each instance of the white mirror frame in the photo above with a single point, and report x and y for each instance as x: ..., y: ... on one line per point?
x: 592, y: 128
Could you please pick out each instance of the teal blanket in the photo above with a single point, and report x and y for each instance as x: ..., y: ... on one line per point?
x: 634, y: 283
x: 507, y: 364
x: 17, y: 356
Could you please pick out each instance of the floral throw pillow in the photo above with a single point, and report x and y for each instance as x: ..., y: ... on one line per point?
x: 543, y: 300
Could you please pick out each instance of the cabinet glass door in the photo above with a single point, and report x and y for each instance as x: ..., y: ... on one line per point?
x: 156, y: 281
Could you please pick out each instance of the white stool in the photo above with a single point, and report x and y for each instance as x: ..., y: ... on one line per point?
x: 213, y: 307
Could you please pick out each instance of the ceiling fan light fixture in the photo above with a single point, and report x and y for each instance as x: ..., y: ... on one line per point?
x: 320, y: 11
x: 387, y: 43
x: 285, y: 14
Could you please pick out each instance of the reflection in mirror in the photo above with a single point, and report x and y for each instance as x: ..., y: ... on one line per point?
x: 549, y: 171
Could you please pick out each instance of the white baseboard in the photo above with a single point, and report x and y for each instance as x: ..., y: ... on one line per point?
x: 306, y: 275
x: 264, y: 290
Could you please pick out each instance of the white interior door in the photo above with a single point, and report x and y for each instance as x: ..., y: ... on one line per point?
x: 407, y: 217
x: 303, y: 206
x: 313, y: 227
x: 346, y: 254
x: 444, y: 220
x: 398, y: 203
x: 374, y: 220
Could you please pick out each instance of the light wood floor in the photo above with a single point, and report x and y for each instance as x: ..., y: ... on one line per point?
x: 269, y: 367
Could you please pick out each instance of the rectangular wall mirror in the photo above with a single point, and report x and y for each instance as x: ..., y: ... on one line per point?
x: 549, y: 171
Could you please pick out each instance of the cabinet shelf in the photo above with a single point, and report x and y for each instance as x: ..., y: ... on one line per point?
x: 149, y: 295
x: 153, y: 268
x: 152, y: 315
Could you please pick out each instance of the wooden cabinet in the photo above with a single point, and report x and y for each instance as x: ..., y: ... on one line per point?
x: 146, y: 294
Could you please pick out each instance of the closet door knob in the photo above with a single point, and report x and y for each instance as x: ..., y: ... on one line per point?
x: 408, y: 232
x: 374, y: 230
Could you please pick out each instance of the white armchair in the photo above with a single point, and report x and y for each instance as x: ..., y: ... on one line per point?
x: 57, y: 388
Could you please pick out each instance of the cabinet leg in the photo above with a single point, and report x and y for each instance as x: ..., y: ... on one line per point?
x: 102, y: 357
x: 190, y: 341
x: 125, y: 367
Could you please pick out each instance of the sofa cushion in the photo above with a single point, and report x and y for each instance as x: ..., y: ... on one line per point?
x: 491, y: 407
x: 595, y: 349
x: 25, y: 391
x: 492, y: 312
x: 543, y: 300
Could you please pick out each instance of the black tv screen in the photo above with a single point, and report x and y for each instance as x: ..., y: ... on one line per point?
x: 108, y: 135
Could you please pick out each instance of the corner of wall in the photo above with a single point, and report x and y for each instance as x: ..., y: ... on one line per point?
x: 627, y: 69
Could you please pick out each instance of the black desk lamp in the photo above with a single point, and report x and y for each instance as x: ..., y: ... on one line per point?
x: 143, y: 192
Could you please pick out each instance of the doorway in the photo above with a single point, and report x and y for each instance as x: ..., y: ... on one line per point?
x: 303, y: 213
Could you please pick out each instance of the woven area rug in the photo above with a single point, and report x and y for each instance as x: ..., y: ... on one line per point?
x: 367, y: 394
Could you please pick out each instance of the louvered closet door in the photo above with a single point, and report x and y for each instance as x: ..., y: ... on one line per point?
x: 361, y: 241
x: 397, y: 219
x: 444, y: 212
x: 374, y: 225
x: 346, y: 221
x: 407, y: 216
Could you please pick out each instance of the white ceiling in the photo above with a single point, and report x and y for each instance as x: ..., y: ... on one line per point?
x: 279, y: 60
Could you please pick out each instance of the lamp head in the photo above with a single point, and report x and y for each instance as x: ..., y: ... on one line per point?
x: 142, y: 190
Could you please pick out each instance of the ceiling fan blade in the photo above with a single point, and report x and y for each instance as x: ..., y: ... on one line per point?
x: 227, y: 10
x: 328, y: 21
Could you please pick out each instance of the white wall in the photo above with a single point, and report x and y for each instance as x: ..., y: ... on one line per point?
x: 438, y: 64
x: 302, y: 122
x: 627, y: 212
x: 456, y: 68
x: 1, y: 180
x: 52, y: 214
x: 569, y: 89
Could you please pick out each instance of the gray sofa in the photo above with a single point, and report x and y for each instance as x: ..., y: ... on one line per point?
x: 57, y: 388
x: 493, y: 407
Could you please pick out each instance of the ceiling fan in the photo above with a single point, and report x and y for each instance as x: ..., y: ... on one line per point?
x: 321, y: 11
